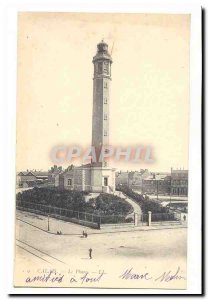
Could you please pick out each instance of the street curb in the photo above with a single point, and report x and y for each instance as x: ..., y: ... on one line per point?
x: 100, y: 232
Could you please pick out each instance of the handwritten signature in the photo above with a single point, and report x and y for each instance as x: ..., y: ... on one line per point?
x: 128, y: 274
x: 170, y: 275
x: 166, y: 276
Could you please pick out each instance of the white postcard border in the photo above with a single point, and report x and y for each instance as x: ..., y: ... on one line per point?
x: 9, y: 137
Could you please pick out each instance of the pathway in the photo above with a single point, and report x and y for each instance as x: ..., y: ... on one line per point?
x: 136, y: 207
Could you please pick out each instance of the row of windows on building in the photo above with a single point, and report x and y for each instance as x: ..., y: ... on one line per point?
x: 179, y: 191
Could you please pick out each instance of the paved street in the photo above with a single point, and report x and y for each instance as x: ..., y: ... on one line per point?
x: 133, y: 244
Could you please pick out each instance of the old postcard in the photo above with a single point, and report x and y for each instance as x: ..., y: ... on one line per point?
x: 102, y: 153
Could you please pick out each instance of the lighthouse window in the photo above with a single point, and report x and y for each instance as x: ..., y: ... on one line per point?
x: 105, y: 101
x: 105, y: 117
x: 105, y: 133
x: 100, y: 67
x: 106, y: 67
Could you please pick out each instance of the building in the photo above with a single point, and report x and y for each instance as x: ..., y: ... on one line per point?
x: 135, y: 178
x: 159, y: 184
x: 122, y: 178
x: 75, y: 178
x: 79, y: 178
x: 96, y: 176
x: 179, y: 182
x: 52, y: 173
x: 31, y: 178
x: 131, y: 179
x: 174, y: 184
x: 102, y: 176
x: 23, y: 177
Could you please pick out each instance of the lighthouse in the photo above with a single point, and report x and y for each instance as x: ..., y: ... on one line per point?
x: 101, y: 97
x: 102, y: 176
x: 96, y: 176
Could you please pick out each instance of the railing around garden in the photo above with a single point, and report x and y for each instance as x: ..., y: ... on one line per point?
x: 92, y: 220
x: 161, y: 217
x: 70, y: 214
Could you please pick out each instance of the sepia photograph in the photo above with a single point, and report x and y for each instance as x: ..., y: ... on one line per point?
x: 102, y: 150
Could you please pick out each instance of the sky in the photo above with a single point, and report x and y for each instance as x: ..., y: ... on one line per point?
x: 149, y: 96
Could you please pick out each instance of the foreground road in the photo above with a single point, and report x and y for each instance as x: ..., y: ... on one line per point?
x: 166, y: 243
x: 38, y: 253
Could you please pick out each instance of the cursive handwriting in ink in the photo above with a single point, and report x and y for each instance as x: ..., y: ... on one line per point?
x: 169, y: 276
x: 51, y: 277
x: 72, y: 280
x: 128, y: 274
x: 86, y: 278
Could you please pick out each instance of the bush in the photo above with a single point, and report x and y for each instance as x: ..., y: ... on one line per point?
x: 107, y: 204
x: 146, y: 204
x: 103, y: 205
x: 73, y: 200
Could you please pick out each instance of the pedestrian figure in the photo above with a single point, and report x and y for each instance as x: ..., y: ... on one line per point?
x: 83, y: 233
x: 184, y: 217
x: 98, y: 224
x: 86, y: 234
x: 90, y: 253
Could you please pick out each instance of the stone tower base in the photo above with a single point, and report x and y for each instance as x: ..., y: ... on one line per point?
x: 102, y: 179
x: 88, y: 178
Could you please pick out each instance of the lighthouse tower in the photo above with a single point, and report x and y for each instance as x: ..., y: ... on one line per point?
x: 101, y: 85
x: 102, y: 176
x: 96, y: 176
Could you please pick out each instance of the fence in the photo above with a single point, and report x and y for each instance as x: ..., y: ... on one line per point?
x: 163, y: 217
x: 57, y: 211
x: 93, y: 220
x: 71, y: 215
x: 156, y: 218
x: 115, y: 219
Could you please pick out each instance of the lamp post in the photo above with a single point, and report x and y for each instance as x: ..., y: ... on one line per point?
x: 170, y: 192
x: 48, y: 224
